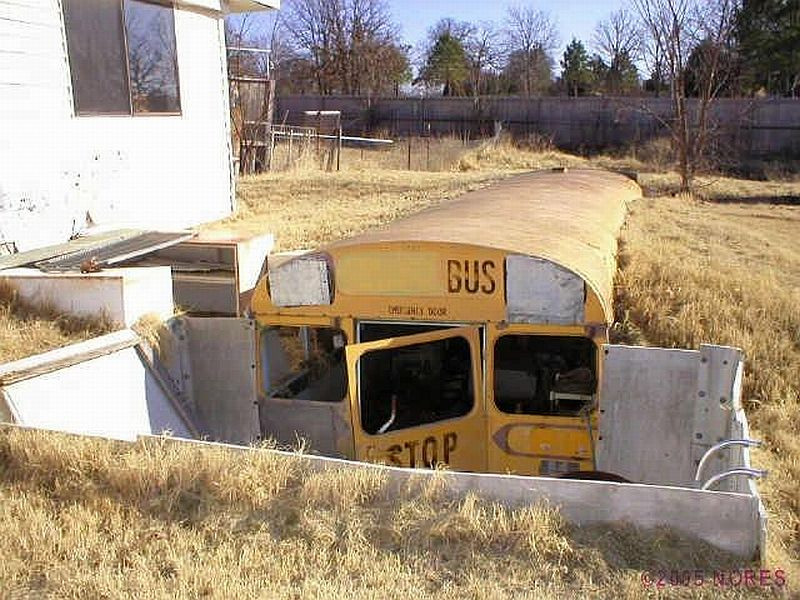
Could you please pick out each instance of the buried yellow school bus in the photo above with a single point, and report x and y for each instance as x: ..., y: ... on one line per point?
x: 467, y: 334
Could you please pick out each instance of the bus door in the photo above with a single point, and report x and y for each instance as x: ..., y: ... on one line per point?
x: 417, y: 400
x: 540, y: 398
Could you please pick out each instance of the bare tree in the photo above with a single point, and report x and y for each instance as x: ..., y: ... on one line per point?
x: 618, y: 41
x: 617, y: 35
x: 483, y: 53
x: 675, y: 29
x: 529, y: 34
x: 351, y: 45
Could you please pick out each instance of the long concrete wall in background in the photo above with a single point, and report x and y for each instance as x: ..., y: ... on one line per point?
x: 744, y: 127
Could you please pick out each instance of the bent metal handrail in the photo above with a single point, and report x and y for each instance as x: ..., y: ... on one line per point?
x: 717, y: 447
x: 753, y: 473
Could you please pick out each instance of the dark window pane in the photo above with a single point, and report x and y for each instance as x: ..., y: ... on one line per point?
x: 152, y: 58
x: 414, y: 385
x: 544, y: 375
x: 97, y: 56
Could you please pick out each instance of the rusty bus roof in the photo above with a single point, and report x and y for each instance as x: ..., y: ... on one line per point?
x: 571, y: 218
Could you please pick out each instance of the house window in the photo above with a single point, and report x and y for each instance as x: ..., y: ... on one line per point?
x: 123, y: 57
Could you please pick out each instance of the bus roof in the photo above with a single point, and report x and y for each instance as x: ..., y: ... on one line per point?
x: 570, y: 217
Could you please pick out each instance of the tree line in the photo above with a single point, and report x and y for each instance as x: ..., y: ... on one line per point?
x: 355, y: 47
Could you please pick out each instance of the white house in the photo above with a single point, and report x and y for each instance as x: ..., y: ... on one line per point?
x: 114, y: 113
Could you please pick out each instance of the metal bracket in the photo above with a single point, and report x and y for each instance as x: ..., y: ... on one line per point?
x: 717, y: 393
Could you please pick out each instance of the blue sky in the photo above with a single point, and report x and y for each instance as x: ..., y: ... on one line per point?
x: 573, y: 18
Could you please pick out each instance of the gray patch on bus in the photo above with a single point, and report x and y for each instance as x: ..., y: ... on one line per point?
x: 540, y: 291
x: 301, y: 281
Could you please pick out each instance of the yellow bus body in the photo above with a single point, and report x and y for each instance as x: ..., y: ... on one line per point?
x: 470, y: 269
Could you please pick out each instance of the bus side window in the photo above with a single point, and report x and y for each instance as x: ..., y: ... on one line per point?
x: 544, y: 375
x: 425, y: 383
x: 304, y: 363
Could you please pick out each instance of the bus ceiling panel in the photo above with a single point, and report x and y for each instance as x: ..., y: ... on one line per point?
x: 540, y: 291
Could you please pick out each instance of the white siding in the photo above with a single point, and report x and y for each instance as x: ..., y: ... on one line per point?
x: 149, y: 171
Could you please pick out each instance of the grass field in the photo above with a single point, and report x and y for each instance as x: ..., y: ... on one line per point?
x: 90, y: 518
x: 86, y: 518
x: 729, y: 273
x: 26, y: 329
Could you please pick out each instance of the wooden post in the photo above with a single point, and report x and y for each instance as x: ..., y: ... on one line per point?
x: 271, y: 147
x: 408, y: 166
x: 289, y: 158
x: 269, y: 112
x: 428, y: 153
x: 339, y: 149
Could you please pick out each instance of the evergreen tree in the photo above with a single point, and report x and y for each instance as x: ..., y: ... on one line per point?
x: 447, y: 65
x: 599, y: 70
x: 622, y: 76
x: 768, y: 36
x: 528, y: 73
x: 576, y: 74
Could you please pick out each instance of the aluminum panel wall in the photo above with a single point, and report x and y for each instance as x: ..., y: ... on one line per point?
x: 540, y: 291
x: 660, y: 409
x: 112, y: 396
x: 222, y: 359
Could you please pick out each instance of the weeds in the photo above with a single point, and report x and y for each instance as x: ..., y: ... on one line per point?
x: 27, y: 329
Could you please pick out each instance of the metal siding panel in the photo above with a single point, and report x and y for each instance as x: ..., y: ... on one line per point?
x: 715, y: 403
x: 110, y: 396
x: 321, y: 424
x: 647, y: 413
x: 222, y: 355
x: 303, y: 281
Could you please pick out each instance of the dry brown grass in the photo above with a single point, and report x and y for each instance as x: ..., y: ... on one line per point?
x: 26, y: 329
x: 697, y: 272
x: 307, y: 206
x: 103, y: 519
x: 90, y: 518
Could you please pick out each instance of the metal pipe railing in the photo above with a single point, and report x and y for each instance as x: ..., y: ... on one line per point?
x: 752, y: 473
x: 720, y: 446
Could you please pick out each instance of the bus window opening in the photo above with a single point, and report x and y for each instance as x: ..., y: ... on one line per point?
x: 414, y: 385
x: 544, y: 375
x: 304, y: 363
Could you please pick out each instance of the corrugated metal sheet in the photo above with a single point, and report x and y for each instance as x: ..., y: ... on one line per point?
x: 116, y: 251
x: 30, y: 257
x: 103, y: 250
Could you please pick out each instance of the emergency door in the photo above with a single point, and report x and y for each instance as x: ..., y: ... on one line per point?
x: 417, y: 400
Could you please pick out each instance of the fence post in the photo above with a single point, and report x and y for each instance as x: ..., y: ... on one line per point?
x: 289, y: 158
x: 428, y: 153
x: 271, y: 148
x: 339, y: 149
x: 409, y: 154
